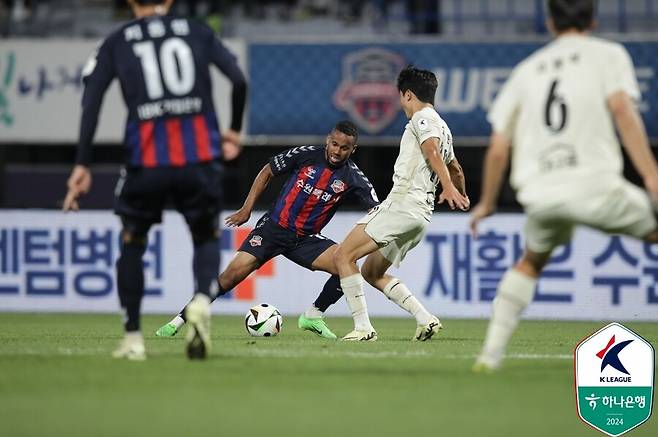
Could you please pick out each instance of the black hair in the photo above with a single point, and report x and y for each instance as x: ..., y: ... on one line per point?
x: 422, y: 83
x: 149, y: 2
x: 348, y: 128
x: 572, y: 14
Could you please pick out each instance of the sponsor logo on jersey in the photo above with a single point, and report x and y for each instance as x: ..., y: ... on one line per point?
x: 309, y: 172
x: 368, y: 91
x: 423, y: 124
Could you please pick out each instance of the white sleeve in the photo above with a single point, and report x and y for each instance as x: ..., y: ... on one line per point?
x: 503, y: 113
x: 425, y: 127
x: 619, y: 74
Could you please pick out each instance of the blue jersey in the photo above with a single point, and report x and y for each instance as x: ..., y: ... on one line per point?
x: 163, y: 66
x: 315, y: 189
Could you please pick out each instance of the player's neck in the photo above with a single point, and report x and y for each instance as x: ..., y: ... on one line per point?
x: 572, y: 32
x: 419, y: 106
x: 148, y: 11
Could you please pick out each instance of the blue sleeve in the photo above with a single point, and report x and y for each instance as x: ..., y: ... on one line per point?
x: 97, y: 76
x: 288, y: 160
x: 223, y: 59
x: 363, y: 191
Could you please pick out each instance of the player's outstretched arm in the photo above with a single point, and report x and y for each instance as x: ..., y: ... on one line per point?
x: 634, y: 137
x: 450, y: 194
x: 257, y: 187
x: 495, y: 165
x: 457, y: 176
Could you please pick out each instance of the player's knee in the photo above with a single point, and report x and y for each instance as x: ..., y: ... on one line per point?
x: 340, y: 256
x: 230, y: 277
x: 369, y: 274
x: 651, y: 237
x: 532, y: 264
x: 204, y: 232
x: 134, y: 232
x: 133, y: 238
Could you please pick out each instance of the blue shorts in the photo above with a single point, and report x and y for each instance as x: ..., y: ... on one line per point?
x: 269, y: 239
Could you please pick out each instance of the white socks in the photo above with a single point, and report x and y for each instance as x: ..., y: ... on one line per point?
x: 400, y: 294
x: 177, y: 322
x: 515, y: 292
x: 313, y: 313
x: 353, y: 290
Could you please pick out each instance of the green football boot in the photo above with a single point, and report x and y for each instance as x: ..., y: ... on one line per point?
x: 317, y: 325
x: 168, y: 330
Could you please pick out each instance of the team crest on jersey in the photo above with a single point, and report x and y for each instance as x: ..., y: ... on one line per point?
x: 368, y: 91
x: 256, y: 240
x: 338, y: 186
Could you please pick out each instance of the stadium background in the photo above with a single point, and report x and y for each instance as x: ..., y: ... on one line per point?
x: 310, y: 62
x: 304, y: 77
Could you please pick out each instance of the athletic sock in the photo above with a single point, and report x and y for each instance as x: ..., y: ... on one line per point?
x: 397, y: 292
x: 181, y: 315
x: 353, y: 289
x: 313, y: 313
x: 515, y: 292
x: 130, y: 283
x: 205, y: 265
x: 177, y: 321
x: 330, y: 294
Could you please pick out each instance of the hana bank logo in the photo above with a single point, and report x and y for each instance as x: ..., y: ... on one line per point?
x: 368, y: 92
x: 230, y: 242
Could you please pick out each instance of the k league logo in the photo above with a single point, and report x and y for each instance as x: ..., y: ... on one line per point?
x: 614, y: 379
x: 610, y: 356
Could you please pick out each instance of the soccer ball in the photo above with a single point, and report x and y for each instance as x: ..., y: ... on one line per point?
x: 263, y: 320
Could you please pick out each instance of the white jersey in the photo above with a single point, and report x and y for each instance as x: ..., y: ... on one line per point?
x: 413, y: 177
x: 554, y: 109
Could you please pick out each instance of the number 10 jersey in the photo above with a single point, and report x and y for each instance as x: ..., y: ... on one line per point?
x: 163, y: 67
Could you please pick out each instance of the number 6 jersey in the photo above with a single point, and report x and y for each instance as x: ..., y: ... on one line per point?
x: 554, y: 108
x: 163, y: 66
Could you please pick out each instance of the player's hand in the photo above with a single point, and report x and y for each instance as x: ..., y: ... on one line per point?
x: 238, y: 218
x: 479, y: 212
x: 454, y: 198
x: 231, y: 145
x: 651, y: 184
x: 78, y: 184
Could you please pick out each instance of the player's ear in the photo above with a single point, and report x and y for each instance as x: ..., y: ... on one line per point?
x: 551, y: 26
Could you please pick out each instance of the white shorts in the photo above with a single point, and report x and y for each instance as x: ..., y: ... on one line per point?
x: 397, y: 227
x: 625, y: 210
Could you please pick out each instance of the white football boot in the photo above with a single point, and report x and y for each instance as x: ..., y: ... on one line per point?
x: 131, y: 347
x: 197, y: 314
x: 425, y: 332
x: 368, y: 335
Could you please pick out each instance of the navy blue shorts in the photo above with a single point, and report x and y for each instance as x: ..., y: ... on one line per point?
x: 269, y: 239
x: 194, y: 191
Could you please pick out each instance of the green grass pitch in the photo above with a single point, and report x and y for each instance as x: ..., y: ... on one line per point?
x: 57, y: 379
